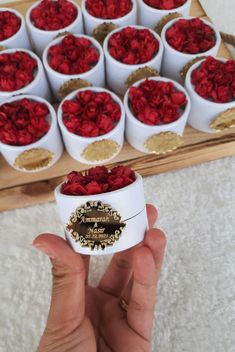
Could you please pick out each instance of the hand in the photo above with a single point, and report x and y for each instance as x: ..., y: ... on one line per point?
x: 89, y: 319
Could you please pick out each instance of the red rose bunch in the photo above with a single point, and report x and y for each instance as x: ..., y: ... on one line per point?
x: 17, y: 70
x: 9, y: 24
x: 215, y: 80
x: 108, y: 9
x: 98, y: 180
x: 191, y: 36
x: 52, y: 15
x: 133, y: 46
x: 156, y: 102
x: 165, y: 4
x: 91, y: 114
x: 23, y: 122
x: 73, y: 55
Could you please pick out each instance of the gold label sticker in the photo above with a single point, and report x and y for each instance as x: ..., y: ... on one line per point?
x: 101, y: 31
x: 163, y: 142
x: 95, y: 225
x: 62, y: 34
x: 165, y: 20
x: 185, y: 68
x: 34, y: 159
x: 224, y: 121
x: 102, y: 150
x: 71, y: 85
x: 2, y: 47
x: 141, y: 73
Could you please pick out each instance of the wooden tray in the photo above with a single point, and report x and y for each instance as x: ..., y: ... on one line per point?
x: 18, y: 189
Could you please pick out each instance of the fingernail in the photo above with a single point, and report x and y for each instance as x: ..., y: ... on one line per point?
x: 44, y: 249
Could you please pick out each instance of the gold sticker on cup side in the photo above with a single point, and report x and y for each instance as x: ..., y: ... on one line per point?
x: 186, y: 67
x: 2, y: 47
x: 165, y: 20
x: 102, y: 150
x: 141, y: 73
x: 101, y: 31
x: 224, y: 121
x: 163, y: 142
x: 34, y: 159
x: 95, y: 225
x: 71, y: 85
x: 62, y: 34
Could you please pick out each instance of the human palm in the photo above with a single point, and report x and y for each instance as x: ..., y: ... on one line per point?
x: 83, y: 318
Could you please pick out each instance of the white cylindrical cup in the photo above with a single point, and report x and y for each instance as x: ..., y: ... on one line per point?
x: 126, y: 204
x: 41, y: 38
x: 39, y: 86
x: 84, y: 149
x: 40, y: 155
x: 95, y: 76
x: 174, y: 61
x: 203, y: 112
x: 149, y: 16
x: 117, y: 72
x: 138, y: 133
x: 20, y: 39
x: 91, y: 22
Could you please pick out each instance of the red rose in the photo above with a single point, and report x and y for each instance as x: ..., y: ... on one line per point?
x: 215, y: 80
x: 156, y: 102
x: 165, y: 4
x: 9, y: 24
x: 133, y: 46
x: 191, y: 36
x: 91, y: 114
x: 17, y: 70
x: 97, y: 180
x: 108, y: 9
x: 73, y: 55
x: 52, y: 15
x: 23, y: 122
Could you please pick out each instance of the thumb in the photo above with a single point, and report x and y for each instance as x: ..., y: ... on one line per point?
x: 68, y: 290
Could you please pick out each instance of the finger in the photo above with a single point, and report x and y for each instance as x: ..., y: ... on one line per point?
x: 119, y: 270
x: 146, y: 268
x: 86, y: 261
x: 68, y: 291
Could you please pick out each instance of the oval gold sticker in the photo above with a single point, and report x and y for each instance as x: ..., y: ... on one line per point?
x: 186, y: 67
x: 165, y: 20
x: 163, y: 142
x: 141, y: 73
x: 102, y: 30
x: 102, y: 150
x: 95, y: 225
x: 71, y: 85
x: 34, y: 159
x: 224, y: 121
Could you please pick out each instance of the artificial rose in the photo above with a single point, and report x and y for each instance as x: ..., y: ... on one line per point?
x: 97, y: 180
x: 165, y: 4
x: 17, y: 70
x: 191, y: 36
x: 156, y: 102
x: 23, y: 122
x: 214, y: 80
x: 133, y: 46
x: 52, y: 15
x: 108, y: 9
x: 9, y: 24
x: 91, y: 114
x: 73, y: 55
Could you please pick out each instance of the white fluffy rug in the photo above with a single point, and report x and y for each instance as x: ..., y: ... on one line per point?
x: 196, y: 307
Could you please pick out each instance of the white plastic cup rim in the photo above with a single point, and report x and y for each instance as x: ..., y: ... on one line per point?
x: 30, y: 23
x: 171, y: 125
x: 37, y: 75
x: 113, y: 20
x: 78, y: 75
x: 191, y: 89
x: 162, y: 11
x: 186, y: 55
x: 53, y: 122
x: 90, y: 139
x: 18, y: 14
x: 136, y: 66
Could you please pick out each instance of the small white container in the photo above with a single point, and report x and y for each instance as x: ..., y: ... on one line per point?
x: 93, y: 150
x: 150, y: 17
x: 117, y: 72
x: 40, y: 155
x: 39, y: 86
x: 41, y: 38
x: 174, y: 61
x: 95, y: 76
x: 20, y: 39
x: 157, y: 139
x: 91, y: 22
x: 121, y: 219
x: 204, y: 112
